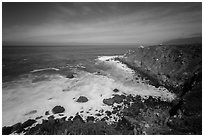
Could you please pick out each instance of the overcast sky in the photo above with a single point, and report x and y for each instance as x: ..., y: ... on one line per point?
x: 102, y: 23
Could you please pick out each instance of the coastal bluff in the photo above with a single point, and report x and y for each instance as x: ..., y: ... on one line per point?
x: 179, y: 69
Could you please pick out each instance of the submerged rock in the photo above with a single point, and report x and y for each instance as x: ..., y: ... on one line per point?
x: 31, y: 112
x: 82, y: 99
x: 47, y: 113
x: 70, y: 75
x: 58, y: 109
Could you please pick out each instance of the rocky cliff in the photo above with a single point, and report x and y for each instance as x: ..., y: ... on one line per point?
x: 179, y: 69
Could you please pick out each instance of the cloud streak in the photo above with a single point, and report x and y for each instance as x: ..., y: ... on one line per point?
x: 147, y: 23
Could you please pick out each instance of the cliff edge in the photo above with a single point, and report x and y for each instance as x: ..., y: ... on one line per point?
x: 179, y: 69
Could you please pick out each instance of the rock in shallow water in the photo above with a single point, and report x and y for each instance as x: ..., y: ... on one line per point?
x: 31, y: 112
x: 47, y: 113
x: 116, y: 99
x: 82, y: 99
x: 58, y: 109
x: 108, y: 101
x: 70, y: 75
x: 116, y: 90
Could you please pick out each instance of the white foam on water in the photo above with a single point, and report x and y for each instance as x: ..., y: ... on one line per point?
x: 19, y: 100
x: 110, y: 60
x: 38, y: 70
x: 106, y: 58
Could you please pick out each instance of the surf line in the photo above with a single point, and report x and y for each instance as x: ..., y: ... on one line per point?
x: 37, y: 70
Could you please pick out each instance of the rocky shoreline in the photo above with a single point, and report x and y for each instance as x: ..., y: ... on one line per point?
x: 178, y: 68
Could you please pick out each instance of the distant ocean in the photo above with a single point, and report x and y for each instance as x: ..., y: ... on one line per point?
x: 17, y: 61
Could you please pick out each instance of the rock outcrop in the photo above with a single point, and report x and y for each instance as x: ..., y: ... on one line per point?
x: 116, y: 99
x: 58, y: 109
x: 82, y: 99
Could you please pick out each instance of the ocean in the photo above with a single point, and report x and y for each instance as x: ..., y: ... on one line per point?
x: 38, y: 78
x: 19, y: 60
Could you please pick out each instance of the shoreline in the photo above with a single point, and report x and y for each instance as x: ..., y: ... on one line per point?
x: 133, y: 100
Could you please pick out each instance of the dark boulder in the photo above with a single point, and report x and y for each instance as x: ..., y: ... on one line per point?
x: 98, y: 114
x: 104, y: 119
x: 70, y: 75
x: 58, y: 109
x: 118, y: 99
x: 47, y: 113
x: 90, y: 119
x: 28, y: 123
x: 108, y: 101
x: 116, y: 90
x: 82, y: 99
x: 108, y: 113
x: 70, y: 118
x: 38, y: 117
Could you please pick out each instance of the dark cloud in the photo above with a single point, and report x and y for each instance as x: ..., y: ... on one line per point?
x: 99, y: 22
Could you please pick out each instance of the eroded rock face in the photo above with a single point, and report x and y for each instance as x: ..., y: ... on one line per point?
x: 179, y: 69
x: 82, y: 99
x: 167, y: 65
x: 58, y: 109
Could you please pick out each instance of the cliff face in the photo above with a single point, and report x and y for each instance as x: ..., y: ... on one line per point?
x: 179, y: 69
x: 170, y: 66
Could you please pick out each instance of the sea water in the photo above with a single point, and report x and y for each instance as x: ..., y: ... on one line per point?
x: 35, y: 80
